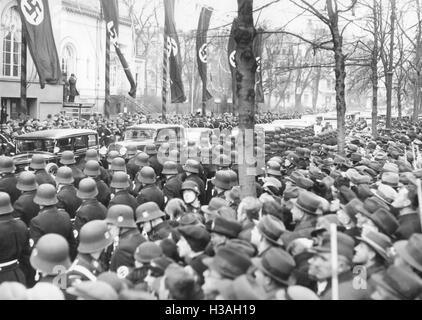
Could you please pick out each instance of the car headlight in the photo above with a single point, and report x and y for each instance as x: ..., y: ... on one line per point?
x: 123, y: 151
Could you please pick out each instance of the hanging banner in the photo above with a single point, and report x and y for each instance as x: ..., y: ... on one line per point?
x: 36, y: 24
x: 231, y: 52
x: 173, y: 50
x: 111, y: 16
x: 201, y: 49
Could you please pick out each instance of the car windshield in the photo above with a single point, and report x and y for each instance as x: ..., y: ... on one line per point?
x: 139, y: 134
x: 38, y: 145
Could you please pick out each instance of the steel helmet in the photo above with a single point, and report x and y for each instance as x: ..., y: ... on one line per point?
x: 150, y: 149
x: 92, y: 168
x: 147, y: 212
x: 147, y: 175
x: 5, y: 204
x: 170, y: 167
x: 26, y: 181
x: 233, y: 178
x: 91, y: 154
x: 191, y: 166
x: 190, y: 185
x: 6, y: 165
x: 120, y: 180
x: 37, y: 162
x: 121, y: 216
x: 51, y: 253
x: 112, y: 155
x: 94, y: 236
x: 87, y: 189
x: 222, y: 180
x: 118, y: 164
x: 64, y: 175
x: 131, y: 150
x: 68, y: 157
x: 142, y: 159
x: 46, y: 195
x: 274, y: 168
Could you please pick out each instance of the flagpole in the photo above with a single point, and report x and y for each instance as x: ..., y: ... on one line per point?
x: 164, y: 88
x: 193, y: 84
x: 23, y: 103
x: 334, y: 262
x: 107, y: 76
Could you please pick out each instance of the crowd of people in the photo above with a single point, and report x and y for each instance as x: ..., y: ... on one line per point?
x: 178, y: 225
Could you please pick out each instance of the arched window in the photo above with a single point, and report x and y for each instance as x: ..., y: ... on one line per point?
x: 69, y: 60
x: 11, y: 23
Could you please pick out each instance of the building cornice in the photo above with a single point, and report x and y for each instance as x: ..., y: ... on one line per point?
x: 71, y: 7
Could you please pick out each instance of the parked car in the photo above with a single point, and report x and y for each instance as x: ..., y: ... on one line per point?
x: 52, y: 143
x: 144, y: 134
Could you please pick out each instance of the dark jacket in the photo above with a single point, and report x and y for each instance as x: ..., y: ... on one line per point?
x: 173, y: 188
x: 8, y: 184
x: 151, y: 193
x: 25, y: 208
x: 42, y: 177
x: 124, y: 197
x: 89, y: 210
x: 122, y: 259
x: 68, y: 200
x: 14, y: 245
x: 155, y: 164
x: 104, y: 192
x: 53, y: 220
x: 346, y: 289
x: 77, y: 173
x: 132, y: 168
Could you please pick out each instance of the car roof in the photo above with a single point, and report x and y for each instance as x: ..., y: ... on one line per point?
x: 55, y: 134
x: 155, y: 126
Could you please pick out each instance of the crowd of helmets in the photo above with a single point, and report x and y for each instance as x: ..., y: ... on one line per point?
x: 147, y: 227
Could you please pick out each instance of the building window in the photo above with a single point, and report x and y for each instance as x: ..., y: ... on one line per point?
x: 69, y: 60
x: 114, y: 73
x: 11, y: 42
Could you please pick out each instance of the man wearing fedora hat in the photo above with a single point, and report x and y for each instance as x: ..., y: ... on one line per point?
x: 373, y: 252
x: 14, y: 237
x: 320, y: 268
x: 409, y: 254
x: 267, y: 234
x: 305, y: 212
x: 248, y: 214
x: 222, y: 229
x: 273, y: 270
x: 50, y: 219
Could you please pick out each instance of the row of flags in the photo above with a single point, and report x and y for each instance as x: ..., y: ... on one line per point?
x: 36, y: 23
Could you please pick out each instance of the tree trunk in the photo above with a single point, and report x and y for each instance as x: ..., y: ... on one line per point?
x: 389, y: 80
x: 340, y: 71
x: 374, y: 64
x: 399, y: 101
x: 315, y: 89
x: 146, y: 76
x: 245, y: 92
x: 298, y: 102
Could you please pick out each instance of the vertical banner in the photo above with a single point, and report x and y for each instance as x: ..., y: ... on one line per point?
x: 201, y: 49
x: 36, y: 23
x: 231, y: 52
x: 111, y: 16
x: 257, y: 51
x: 173, y: 51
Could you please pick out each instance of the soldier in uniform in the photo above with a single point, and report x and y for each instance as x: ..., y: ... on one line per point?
x: 14, y: 245
x: 38, y: 165
x: 141, y: 160
x: 149, y: 191
x: 66, y: 192
x: 132, y: 167
x: 122, y: 224
x: 50, y: 219
x: 153, y: 160
x: 222, y: 182
x: 93, y: 170
x: 94, y: 239
x: 191, y: 168
x: 8, y: 179
x: 25, y: 208
x: 92, y: 154
x: 173, y: 183
x: 50, y: 258
x: 121, y: 184
x: 68, y: 159
x: 91, y: 208
x: 151, y: 223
